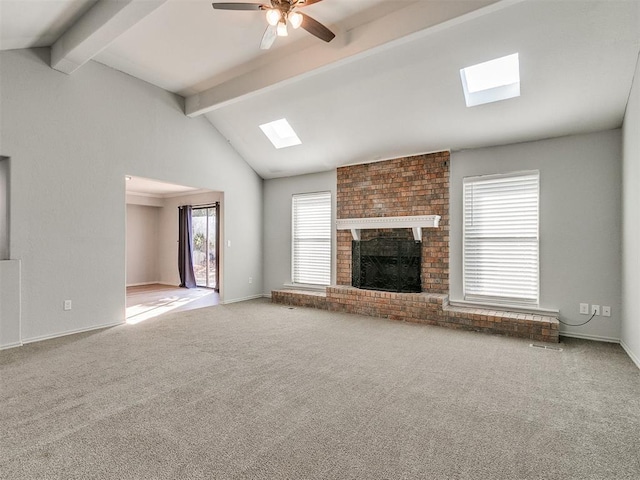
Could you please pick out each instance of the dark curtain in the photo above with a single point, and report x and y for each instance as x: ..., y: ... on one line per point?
x: 185, y: 248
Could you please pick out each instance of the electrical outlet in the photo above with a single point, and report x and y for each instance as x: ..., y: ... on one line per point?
x: 584, y: 308
x: 250, y: 279
x: 67, y: 304
x: 606, y: 311
x: 595, y: 310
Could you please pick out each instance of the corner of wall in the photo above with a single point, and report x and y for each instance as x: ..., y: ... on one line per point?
x: 630, y: 328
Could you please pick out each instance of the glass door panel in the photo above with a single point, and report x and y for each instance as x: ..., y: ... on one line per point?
x: 205, y: 246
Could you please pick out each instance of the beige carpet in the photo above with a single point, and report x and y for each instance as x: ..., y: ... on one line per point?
x: 256, y: 390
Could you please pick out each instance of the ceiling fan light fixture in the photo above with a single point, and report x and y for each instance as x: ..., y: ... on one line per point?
x: 282, y: 29
x: 295, y: 19
x: 278, y: 14
x: 273, y: 16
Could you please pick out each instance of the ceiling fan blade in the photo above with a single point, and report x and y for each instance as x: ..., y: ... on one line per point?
x: 270, y: 35
x: 314, y: 27
x: 306, y: 3
x: 238, y: 6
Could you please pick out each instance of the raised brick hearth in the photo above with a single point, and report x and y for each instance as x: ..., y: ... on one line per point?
x: 425, y: 308
x: 410, y: 186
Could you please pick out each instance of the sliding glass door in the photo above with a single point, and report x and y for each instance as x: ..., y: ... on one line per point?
x: 205, y: 245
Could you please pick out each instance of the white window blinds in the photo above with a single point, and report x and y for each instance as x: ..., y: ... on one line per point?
x: 501, y: 238
x: 311, y: 249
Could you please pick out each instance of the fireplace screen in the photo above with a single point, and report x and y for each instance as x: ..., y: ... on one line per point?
x: 388, y: 264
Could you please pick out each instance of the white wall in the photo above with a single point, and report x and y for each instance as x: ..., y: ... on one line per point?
x: 143, y: 238
x: 580, y: 222
x: 71, y: 140
x: 277, y: 223
x: 169, y: 236
x: 630, y: 331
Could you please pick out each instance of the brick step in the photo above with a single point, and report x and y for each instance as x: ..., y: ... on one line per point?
x: 536, y: 327
x: 430, y: 309
x: 300, y: 298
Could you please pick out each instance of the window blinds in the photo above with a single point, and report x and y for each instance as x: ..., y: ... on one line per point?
x: 311, y: 250
x: 501, y: 238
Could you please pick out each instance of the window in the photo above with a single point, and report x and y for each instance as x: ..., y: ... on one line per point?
x: 491, y: 81
x: 280, y: 133
x: 205, y: 235
x: 311, y: 249
x: 501, y: 238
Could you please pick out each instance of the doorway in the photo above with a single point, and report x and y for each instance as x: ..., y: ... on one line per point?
x: 205, y: 235
x: 151, y: 253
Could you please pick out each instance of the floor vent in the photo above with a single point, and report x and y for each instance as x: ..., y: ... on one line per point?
x: 545, y: 347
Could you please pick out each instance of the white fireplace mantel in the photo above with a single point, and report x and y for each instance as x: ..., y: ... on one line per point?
x: 415, y: 223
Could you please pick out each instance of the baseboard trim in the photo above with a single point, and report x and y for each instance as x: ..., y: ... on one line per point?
x: 70, y: 332
x: 632, y: 355
x: 266, y: 295
x: 143, y: 284
x: 243, y: 299
x: 585, y: 336
x: 10, y: 345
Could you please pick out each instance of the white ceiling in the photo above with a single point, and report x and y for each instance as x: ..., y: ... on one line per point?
x: 387, y: 86
x: 156, y: 188
x: 37, y: 23
x: 185, y: 46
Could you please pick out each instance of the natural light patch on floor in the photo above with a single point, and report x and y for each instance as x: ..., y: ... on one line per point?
x: 151, y: 303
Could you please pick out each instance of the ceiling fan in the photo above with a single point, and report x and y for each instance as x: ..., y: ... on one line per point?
x: 280, y: 14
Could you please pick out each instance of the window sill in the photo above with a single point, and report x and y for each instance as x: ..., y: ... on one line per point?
x: 305, y: 286
x: 507, y: 307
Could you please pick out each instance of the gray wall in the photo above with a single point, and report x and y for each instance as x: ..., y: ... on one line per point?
x: 580, y: 221
x: 630, y: 332
x: 143, y: 237
x: 277, y: 223
x: 71, y: 140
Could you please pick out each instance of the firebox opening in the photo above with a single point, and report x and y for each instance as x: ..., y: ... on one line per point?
x: 387, y: 264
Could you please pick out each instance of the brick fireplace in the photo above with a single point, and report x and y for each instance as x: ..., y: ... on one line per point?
x: 408, y: 187
x: 394, y: 188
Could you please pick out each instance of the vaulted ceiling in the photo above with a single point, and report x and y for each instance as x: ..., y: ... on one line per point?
x: 387, y: 86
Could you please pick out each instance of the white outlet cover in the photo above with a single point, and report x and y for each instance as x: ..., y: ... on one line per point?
x: 584, y: 308
x: 606, y: 311
x: 595, y: 309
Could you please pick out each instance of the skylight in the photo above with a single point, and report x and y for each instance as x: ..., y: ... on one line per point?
x: 491, y: 81
x: 280, y: 133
